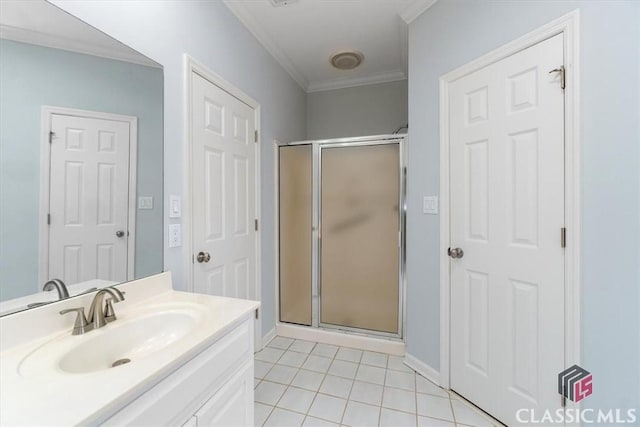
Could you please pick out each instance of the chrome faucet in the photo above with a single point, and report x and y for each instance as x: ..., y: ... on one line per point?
x: 58, y: 285
x: 100, y: 311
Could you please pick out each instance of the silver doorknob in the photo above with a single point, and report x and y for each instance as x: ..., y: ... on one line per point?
x: 455, y: 253
x: 203, y: 257
x: 119, y: 233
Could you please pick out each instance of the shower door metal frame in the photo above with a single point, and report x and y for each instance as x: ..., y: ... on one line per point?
x: 317, y: 147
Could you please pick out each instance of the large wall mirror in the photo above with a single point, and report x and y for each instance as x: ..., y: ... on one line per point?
x: 81, y: 155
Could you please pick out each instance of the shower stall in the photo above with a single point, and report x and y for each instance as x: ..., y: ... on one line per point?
x: 341, y: 234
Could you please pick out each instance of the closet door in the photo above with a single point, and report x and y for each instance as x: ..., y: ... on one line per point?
x: 360, y: 236
x: 295, y: 189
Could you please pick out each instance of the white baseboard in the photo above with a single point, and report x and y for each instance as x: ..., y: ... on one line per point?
x: 381, y: 345
x: 422, y: 368
x: 266, y: 338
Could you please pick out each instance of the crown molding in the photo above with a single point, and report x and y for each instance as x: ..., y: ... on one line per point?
x: 415, y: 9
x: 78, y: 46
x: 356, y: 81
x: 250, y: 23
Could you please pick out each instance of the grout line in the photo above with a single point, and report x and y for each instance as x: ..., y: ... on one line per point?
x: 353, y: 380
x: 453, y: 411
x: 268, y: 415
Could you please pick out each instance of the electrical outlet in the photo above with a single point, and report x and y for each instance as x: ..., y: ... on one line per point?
x: 175, y: 235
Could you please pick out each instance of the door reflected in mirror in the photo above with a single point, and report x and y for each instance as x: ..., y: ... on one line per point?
x: 81, y: 157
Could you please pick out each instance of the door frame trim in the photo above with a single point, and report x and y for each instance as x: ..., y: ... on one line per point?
x: 191, y: 65
x: 569, y: 26
x: 47, y: 111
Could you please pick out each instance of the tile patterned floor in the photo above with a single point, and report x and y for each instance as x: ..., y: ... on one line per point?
x: 303, y: 383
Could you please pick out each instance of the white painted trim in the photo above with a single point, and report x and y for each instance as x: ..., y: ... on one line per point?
x: 422, y: 368
x: 191, y: 65
x: 45, y: 172
x: 445, y: 237
x: 362, y: 342
x: 266, y: 339
x: 45, y: 158
x: 276, y: 226
x: 255, y: 28
x: 569, y: 26
x: 342, y: 83
x: 132, y: 219
x: 415, y: 9
x: 124, y: 53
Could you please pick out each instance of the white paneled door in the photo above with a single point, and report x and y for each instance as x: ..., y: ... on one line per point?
x: 223, y: 191
x: 507, y: 214
x: 88, y: 199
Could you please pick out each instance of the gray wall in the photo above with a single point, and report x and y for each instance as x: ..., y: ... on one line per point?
x: 166, y: 30
x: 32, y: 76
x: 452, y: 33
x: 357, y: 111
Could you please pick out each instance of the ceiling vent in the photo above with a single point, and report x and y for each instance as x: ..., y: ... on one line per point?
x: 280, y: 3
x: 347, y: 60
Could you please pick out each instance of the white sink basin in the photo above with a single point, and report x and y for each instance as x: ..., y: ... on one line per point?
x: 123, y: 342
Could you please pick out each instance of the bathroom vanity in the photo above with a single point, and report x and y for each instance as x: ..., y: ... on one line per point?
x: 170, y: 358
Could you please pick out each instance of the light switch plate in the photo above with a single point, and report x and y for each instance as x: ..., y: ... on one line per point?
x: 175, y: 207
x: 175, y: 235
x: 430, y: 205
x: 145, y: 202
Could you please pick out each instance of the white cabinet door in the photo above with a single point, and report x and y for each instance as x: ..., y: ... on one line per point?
x: 507, y: 212
x: 232, y: 405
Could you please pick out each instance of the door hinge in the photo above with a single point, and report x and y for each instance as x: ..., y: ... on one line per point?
x: 255, y: 225
x: 52, y: 135
x: 48, y: 219
x: 563, y: 237
x: 562, y: 71
x: 256, y: 313
x: 193, y: 259
x: 255, y: 136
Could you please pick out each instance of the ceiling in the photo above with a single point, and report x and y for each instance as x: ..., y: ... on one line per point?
x: 302, y: 35
x: 41, y: 23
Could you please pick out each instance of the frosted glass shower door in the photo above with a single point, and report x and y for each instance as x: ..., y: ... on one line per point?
x: 295, y: 195
x: 360, y: 237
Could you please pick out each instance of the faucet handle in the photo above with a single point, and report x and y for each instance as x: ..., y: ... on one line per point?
x: 109, y: 313
x: 81, y: 324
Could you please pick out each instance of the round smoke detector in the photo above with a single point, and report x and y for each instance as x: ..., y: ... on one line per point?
x: 347, y: 60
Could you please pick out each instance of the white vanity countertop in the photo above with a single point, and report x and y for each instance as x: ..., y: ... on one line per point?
x: 47, y: 395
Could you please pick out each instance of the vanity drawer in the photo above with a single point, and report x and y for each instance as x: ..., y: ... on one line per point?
x: 173, y: 400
